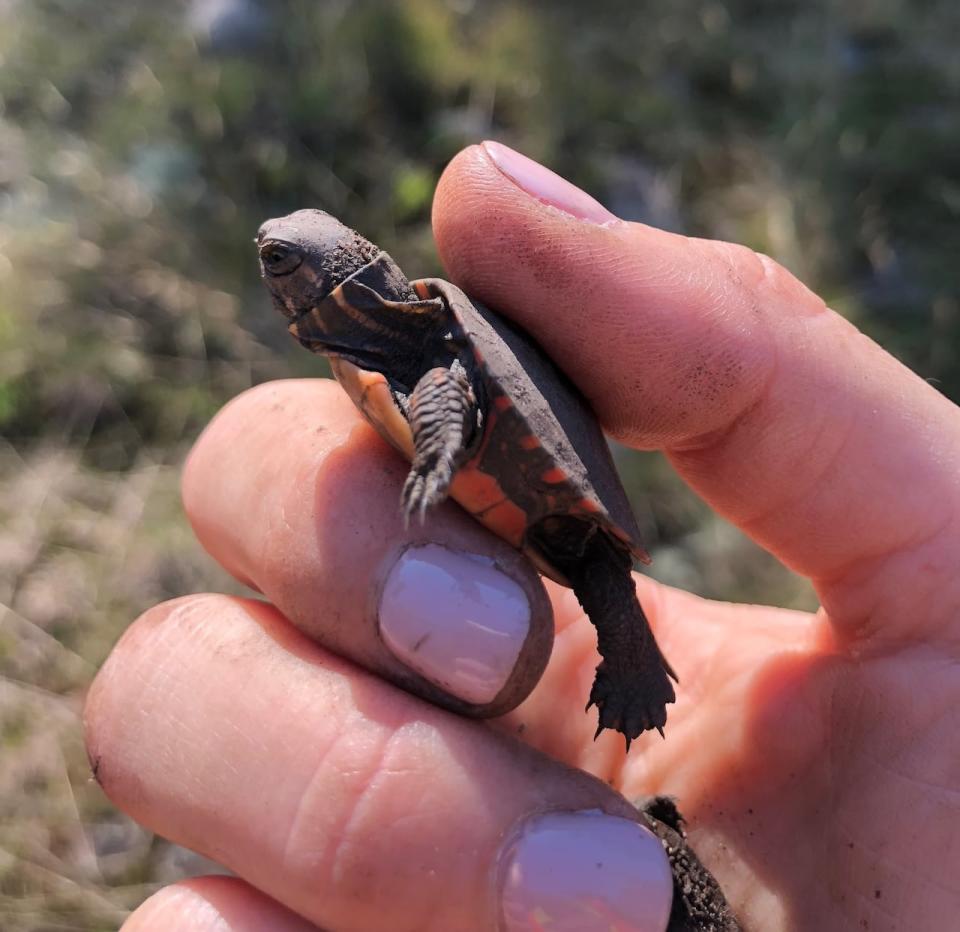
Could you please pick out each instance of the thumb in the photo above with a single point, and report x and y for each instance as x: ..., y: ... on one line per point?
x: 647, y: 323
x: 788, y: 421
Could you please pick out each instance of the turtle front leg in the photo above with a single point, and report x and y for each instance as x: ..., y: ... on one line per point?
x: 443, y: 416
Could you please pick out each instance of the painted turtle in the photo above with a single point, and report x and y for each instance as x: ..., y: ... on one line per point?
x: 485, y: 417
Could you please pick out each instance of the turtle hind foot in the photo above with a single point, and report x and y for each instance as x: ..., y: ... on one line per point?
x: 631, y: 702
x: 427, y: 485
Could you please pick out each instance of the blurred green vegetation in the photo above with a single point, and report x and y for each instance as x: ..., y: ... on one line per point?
x: 142, y: 143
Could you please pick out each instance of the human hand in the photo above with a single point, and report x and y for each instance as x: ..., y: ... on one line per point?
x: 814, y: 755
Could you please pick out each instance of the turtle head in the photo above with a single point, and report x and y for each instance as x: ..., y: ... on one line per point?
x: 335, y: 290
x: 306, y: 255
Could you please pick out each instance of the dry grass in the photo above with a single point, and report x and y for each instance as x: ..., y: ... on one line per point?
x: 81, y: 554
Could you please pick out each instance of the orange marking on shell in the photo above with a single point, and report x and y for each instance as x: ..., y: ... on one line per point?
x: 423, y: 292
x: 554, y: 476
x: 506, y: 520
x: 370, y: 392
x: 477, y: 491
x: 482, y: 496
x: 502, y: 403
x: 529, y: 442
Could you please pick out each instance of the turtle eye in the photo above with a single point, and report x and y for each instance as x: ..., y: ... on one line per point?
x: 280, y: 258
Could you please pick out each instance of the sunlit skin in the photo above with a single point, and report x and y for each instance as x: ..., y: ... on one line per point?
x: 814, y: 755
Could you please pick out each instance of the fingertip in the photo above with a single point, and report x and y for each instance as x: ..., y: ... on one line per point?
x: 467, y: 172
x: 213, y: 904
x: 240, y: 465
x: 474, y: 627
x: 487, y: 227
x: 146, y: 663
x: 658, y: 330
x: 99, y: 731
x: 566, y: 867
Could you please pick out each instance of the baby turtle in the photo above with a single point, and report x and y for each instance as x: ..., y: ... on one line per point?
x: 484, y: 417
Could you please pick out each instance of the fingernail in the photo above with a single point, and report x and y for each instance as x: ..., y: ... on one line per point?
x: 546, y: 186
x: 455, y: 619
x: 584, y: 871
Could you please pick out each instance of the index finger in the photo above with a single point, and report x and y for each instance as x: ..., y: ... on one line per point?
x: 788, y: 420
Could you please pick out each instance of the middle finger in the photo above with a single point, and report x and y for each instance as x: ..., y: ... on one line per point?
x: 295, y: 495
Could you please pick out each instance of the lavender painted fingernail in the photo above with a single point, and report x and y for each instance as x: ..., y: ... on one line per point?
x: 585, y: 871
x: 455, y: 619
x: 546, y: 186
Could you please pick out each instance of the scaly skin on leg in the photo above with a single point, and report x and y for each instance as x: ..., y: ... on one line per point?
x: 443, y: 414
x: 632, y: 689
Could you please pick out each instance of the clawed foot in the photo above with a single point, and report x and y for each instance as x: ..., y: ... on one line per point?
x: 427, y: 485
x: 631, y: 703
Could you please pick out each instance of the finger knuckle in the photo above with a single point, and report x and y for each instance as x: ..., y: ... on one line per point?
x: 348, y: 849
x: 763, y: 280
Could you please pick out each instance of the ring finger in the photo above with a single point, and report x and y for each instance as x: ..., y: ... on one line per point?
x: 218, y: 724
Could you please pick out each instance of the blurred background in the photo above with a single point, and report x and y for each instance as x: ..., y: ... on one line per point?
x: 142, y: 143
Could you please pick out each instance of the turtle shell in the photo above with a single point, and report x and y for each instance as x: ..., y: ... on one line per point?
x: 541, y: 453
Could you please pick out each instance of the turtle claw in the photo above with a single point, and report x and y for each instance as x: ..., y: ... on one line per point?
x: 415, y: 498
x: 630, y: 703
x: 412, y: 499
x: 427, y: 485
